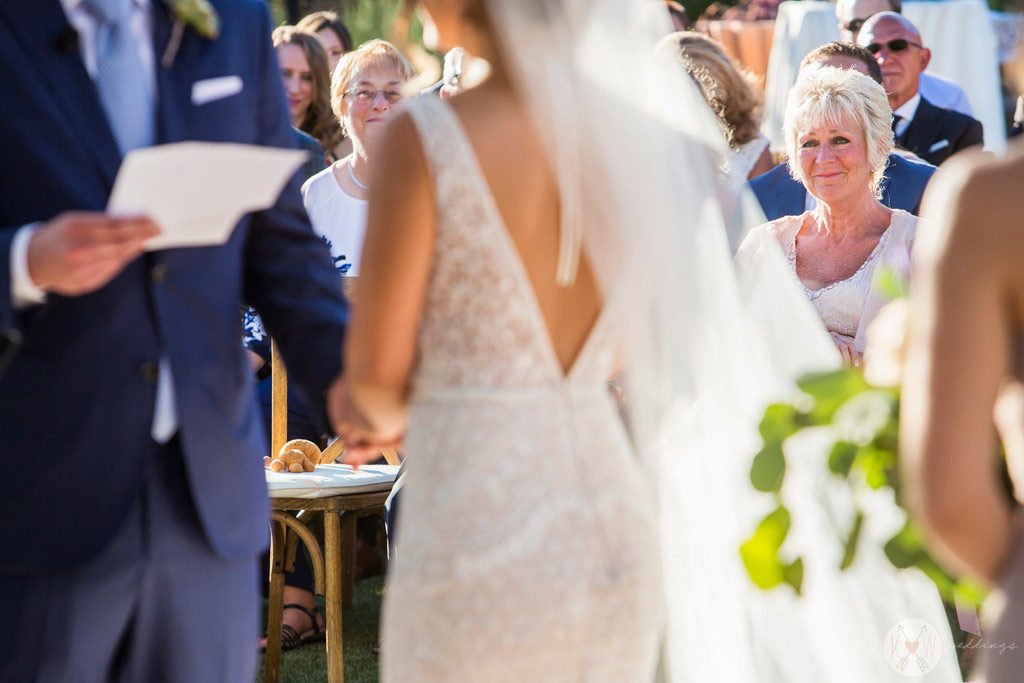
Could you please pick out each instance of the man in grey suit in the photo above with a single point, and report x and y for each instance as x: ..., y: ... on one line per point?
x: 782, y: 195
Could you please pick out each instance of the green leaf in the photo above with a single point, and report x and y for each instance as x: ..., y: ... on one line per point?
x: 768, y: 469
x: 969, y: 590
x: 841, y: 457
x: 905, y: 549
x: 778, y: 423
x: 830, y: 390
x: 891, y: 284
x: 850, y: 546
x: 865, y: 416
x: 793, y: 574
x: 877, y: 465
x: 761, y: 552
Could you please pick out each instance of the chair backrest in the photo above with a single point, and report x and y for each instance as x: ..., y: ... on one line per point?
x: 279, y: 414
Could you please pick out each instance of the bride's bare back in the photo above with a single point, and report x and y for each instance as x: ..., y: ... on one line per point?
x: 517, y: 171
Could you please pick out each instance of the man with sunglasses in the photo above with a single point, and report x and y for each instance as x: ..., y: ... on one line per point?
x: 930, y: 132
x: 940, y: 91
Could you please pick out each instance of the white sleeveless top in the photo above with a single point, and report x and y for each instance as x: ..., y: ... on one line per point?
x: 338, y: 217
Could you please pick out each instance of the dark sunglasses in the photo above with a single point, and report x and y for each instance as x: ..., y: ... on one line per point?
x: 854, y: 26
x: 897, y: 45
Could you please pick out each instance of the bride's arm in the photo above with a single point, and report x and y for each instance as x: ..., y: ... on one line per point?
x: 958, y: 354
x: 380, y: 345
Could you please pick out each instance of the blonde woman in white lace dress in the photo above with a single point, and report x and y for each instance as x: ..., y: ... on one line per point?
x: 838, y: 136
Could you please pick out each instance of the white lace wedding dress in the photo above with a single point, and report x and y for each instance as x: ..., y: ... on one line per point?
x: 526, y: 545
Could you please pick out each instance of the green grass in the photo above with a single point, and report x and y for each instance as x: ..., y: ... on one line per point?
x: 308, y: 664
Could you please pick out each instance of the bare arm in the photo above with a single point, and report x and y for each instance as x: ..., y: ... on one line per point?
x: 958, y: 354
x: 395, y: 265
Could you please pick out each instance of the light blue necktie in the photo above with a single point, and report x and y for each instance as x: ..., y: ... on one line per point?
x: 127, y: 100
x: 120, y: 78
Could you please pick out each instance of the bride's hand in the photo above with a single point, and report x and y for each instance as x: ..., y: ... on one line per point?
x: 363, y: 443
x: 849, y: 352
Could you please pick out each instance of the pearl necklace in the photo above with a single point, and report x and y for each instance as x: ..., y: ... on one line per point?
x: 353, y: 177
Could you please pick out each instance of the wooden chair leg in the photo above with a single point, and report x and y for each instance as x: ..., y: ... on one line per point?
x: 348, y: 557
x: 332, y: 560
x: 275, y: 603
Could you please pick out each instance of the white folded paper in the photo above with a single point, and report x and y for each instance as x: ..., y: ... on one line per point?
x: 198, y: 191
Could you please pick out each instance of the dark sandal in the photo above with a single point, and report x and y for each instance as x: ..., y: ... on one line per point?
x: 291, y: 639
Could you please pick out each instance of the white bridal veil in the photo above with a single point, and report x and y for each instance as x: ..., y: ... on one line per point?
x: 709, y: 341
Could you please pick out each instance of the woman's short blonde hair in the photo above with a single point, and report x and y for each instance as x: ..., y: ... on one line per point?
x: 373, y: 53
x: 825, y: 95
x: 727, y: 87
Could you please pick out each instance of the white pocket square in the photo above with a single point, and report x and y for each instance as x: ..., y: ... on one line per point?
x: 938, y: 145
x: 211, y: 89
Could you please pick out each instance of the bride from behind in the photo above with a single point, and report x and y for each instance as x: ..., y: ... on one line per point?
x: 527, y: 542
x: 557, y: 223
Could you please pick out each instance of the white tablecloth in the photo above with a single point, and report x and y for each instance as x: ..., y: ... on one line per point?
x: 959, y: 33
x: 330, y: 480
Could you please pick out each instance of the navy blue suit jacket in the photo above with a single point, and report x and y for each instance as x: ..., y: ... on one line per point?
x: 77, y: 394
x: 781, y: 195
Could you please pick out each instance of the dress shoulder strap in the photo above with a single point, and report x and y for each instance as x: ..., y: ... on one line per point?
x: 449, y: 155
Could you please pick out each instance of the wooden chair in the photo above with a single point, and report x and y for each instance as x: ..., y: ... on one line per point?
x: 333, y: 565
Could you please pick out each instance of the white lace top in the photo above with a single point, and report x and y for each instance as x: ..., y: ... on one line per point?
x: 848, y: 306
x: 740, y: 161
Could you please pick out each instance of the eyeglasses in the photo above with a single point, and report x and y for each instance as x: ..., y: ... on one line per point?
x: 897, y: 45
x: 369, y: 95
x: 854, y: 25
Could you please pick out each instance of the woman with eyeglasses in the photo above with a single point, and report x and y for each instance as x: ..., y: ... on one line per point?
x: 366, y: 91
x: 838, y: 138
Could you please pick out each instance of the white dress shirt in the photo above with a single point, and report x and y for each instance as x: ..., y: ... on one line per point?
x: 906, y: 113
x: 944, y: 93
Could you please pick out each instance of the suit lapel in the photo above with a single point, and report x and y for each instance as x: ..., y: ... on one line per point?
x: 174, y: 95
x: 42, y: 31
x: 918, y: 136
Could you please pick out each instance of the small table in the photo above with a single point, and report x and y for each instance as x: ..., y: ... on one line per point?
x: 342, y: 494
x: 332, y: 568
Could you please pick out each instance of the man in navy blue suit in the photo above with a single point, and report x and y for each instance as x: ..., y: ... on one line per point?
x: 134, y: 502
x: 782, y: 195
x: 932, y: 133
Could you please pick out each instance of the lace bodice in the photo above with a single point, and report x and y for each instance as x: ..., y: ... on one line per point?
x: 848, y: 306
x: 480, y: 307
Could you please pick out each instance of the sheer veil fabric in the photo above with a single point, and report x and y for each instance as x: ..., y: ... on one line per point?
x: 712, y: 336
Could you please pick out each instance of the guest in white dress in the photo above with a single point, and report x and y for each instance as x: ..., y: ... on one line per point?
x: 730, y: 92
x: 838, y: 136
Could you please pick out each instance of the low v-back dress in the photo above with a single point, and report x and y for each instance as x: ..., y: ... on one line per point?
x: 526, y: 542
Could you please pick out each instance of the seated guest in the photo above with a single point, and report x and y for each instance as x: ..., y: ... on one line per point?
x: 930, y: 132
x: 306, y: 84
x: 940, y: 91
x: 730, y: 93
x: 331, y: 32
x: 781, y: 194
x: 367, y: 89
x: 838, y: 137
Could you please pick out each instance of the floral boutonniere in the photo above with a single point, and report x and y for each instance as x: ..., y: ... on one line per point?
x: 199, y: 15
